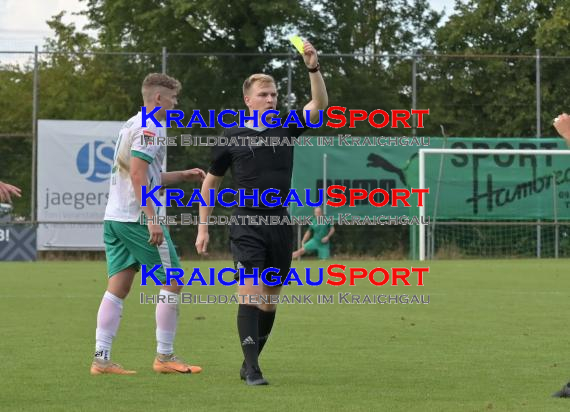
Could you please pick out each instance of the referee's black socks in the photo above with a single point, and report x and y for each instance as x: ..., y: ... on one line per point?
x: 248, y: 329
x: 266, y: 320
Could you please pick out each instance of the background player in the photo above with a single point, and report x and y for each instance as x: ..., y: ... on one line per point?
x: 562, y: 126
x: 320, y: 241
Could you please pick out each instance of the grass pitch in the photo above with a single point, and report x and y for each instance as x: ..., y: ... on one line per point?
x: 494, y: 336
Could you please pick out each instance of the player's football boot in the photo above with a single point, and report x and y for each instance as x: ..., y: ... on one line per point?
x: 172, y: 364
x: 563, y: 393
x: 254, y: 377
x: 107, y: 367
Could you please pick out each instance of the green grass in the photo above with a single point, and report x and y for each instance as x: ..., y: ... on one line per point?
x: 494, y: 336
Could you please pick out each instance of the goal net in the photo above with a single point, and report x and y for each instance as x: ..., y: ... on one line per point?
x: 494, y: 203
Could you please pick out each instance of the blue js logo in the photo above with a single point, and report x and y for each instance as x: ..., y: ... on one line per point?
x: 95, y: 160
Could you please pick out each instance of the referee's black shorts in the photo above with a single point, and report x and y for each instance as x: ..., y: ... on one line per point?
x: 262, y: 246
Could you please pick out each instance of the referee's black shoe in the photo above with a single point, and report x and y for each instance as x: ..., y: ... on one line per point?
x: 563, y: 393
x: 253, y: 377
x: 242, y: 371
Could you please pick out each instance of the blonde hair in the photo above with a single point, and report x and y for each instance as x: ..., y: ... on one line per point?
x: 153, y: 80
x: 258, y: 77
x: 149, y: 84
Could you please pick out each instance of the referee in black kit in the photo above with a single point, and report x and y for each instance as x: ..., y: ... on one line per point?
x: 260, y: 167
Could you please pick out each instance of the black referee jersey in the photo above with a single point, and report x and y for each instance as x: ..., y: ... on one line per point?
x: 259, y: 167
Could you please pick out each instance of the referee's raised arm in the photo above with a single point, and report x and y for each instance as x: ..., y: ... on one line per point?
x: 319, y: 96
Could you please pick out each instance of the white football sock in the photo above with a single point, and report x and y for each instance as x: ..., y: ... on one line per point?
x: 166, y: 320
x: 108, y: 319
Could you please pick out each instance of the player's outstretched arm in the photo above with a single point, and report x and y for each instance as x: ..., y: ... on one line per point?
x: 7, y: 190
x: 210, y: 182
x: 190, y: 175
x: 562, y: 125
x: 319, y: 96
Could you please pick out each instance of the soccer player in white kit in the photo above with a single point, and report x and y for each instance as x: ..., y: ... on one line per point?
x: 130, y: 243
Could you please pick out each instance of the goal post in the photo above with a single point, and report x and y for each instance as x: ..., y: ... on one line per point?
x: 526, y: 191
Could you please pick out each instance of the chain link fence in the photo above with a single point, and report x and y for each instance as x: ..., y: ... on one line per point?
x: 469, y: 95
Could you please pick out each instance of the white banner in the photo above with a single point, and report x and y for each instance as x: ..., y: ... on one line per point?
x: 74, y: 166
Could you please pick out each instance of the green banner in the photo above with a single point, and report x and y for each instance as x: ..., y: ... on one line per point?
x: 365, y: 166
x: 502, y: 187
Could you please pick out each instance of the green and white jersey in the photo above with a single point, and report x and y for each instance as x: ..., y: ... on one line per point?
x: 138, y: 141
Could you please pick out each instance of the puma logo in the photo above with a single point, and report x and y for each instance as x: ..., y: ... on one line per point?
x: 375, y: 160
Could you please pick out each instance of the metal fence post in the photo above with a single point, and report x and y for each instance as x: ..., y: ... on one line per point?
x: 555, y: 216
x: 414, y: 91
x: 538, y: 134
x: 538, y: 124
x: 34, y: 134
x: 289, y: 81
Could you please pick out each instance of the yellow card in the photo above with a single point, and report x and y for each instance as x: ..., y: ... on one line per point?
x: 298, y: 43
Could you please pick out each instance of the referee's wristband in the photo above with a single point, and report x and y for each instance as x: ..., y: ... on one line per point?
x: 315, y: 69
